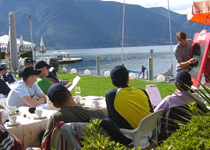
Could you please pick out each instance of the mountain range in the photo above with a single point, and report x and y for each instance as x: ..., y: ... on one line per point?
x: 67, y: 24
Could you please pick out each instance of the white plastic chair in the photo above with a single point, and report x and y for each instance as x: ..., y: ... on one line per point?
x: 141, y: 133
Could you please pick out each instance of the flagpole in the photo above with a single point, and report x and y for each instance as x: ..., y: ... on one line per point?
x: 123, y: 26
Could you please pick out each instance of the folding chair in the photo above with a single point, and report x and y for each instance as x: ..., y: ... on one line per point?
x: 145, y: 127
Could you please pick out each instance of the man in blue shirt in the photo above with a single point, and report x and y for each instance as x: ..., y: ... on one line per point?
x: 7, y: 76
x: 142, y: 71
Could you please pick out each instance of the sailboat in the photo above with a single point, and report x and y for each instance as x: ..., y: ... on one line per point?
x: 42, y: 49
x: 168, y: 72
x: 21, y: 45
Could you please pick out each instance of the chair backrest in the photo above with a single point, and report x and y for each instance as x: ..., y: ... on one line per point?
x: 144, y: 130
x: 154, y: 94
x: 171, y: 120
x: 148, y: 123
x: 58, y: 142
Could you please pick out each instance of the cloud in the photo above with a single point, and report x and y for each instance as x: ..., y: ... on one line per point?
x: 179, y: 6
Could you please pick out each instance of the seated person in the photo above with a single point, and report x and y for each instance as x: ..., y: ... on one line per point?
x: 4, y: 88
x: 7, y: 76
x: 7, y: 141
x: 27, y: 62
x: 26, y: 92
x: 52, y: 75
x: 126, y: 105
x: 44, y: 82
x: 69, y: 110
x: 183, y: 83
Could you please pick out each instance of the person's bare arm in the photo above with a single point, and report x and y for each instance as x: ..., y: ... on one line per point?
x: 42, y: 96
x: 32, y: 101
x: 187, y: 63
x: 69, y: 84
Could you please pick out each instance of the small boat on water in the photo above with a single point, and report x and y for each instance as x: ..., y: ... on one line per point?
x: 42, y: 49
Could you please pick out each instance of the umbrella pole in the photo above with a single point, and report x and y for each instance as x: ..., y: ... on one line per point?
x: 33, y: 49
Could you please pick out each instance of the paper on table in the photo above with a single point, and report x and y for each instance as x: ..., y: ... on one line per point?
x: 75, y: 81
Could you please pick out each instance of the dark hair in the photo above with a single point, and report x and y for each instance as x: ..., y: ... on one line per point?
x: 119, y: 76
x: 183, y: 86
x: 63, y: 99
x: 120, y: 81
x: 25, y: 78
x: 181, y: 35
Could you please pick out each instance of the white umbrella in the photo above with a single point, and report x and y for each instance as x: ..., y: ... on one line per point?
x: 5, y: 38
x: 13, y: 43
x: 21, y: 45
x: 42, y: 49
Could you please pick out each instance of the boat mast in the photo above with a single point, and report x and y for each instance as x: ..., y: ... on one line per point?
x: 169, y: 22
x: 123, y: 29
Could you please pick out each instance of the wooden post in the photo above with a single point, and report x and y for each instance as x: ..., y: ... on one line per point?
x: 151, y: 65
x: 98, y: 65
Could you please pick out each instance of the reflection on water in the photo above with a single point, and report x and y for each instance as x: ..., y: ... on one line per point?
x: 134, y: 57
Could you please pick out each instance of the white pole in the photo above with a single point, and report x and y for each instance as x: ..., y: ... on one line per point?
x: 169, y: 22
x: 123, y: 29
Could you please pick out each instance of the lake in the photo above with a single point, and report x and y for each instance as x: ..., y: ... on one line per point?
x: 134, y: 58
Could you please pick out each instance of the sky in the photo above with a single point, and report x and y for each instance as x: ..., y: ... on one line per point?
x: 179, y: 6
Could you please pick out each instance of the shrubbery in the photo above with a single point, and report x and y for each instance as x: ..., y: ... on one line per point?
x: 28, y: 53
x: 195, y: 135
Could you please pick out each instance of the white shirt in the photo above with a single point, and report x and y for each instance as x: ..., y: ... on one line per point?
x: 19, y: 91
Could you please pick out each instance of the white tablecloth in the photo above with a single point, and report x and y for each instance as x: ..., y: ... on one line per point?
x: 28, y: 128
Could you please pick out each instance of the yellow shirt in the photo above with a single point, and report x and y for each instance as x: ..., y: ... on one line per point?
x: 132, y: 104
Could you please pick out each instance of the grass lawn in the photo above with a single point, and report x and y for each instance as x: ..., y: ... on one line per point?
x: 99, y: 86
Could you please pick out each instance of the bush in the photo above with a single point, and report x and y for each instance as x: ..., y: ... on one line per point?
x: 28, y: 53
x: 94, y: 140
x: 195, y: 135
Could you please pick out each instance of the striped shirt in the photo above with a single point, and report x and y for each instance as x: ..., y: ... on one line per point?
x: 6, y: 141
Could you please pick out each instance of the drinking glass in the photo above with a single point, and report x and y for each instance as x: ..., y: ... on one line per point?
x: 77, y: 91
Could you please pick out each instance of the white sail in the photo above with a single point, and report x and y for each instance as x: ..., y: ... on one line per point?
x: 42, y: 49
x: 21, y: 45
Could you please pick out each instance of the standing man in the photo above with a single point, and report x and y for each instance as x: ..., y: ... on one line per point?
x: 142, y: 71
x: 27, y: 91
x: 182, y: 52
x: 126, y: 105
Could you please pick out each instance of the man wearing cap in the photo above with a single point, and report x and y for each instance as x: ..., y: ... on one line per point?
x: 126, y: 105
x: 29, y: 62
x: 27, y: 91
x: 69, y: 110
x: 183, y: 83
x: 7, y: 76
x: 44, y: 82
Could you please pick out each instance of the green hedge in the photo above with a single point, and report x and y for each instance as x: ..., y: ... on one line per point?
x: 196, y: 135
x: 28, y: 53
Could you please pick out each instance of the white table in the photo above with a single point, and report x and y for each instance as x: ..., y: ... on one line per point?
x: 29, y: 128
